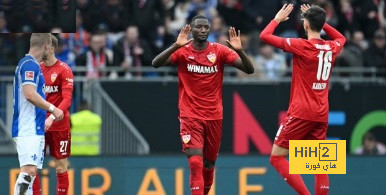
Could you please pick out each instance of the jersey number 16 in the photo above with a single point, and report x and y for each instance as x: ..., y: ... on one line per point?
x: 324, y: 66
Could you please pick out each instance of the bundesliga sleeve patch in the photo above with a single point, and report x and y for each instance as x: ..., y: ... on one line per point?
x: 29, y: 75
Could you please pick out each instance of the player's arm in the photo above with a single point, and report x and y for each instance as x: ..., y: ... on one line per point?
x: 67, y: 85
x: 243, y: 63
x: 29, y: 74
x: 334, y: 34
x: 163, y: 59
x: 34, y: 98
x: 267, y: 34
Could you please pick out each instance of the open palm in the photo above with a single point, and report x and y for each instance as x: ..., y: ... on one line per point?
x: 182, y: 38
x: 234, y: 39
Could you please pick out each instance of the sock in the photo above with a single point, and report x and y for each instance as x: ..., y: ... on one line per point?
x: 23, y: 184
x: 208, y: 179
x: 36, y: 185
x: 294, y: 180
x: 196, y: 180
x: 322, y: 184
x: 62, y: 185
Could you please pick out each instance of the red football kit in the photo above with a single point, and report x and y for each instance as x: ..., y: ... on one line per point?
x: 313, y: 61
x: 200, y: 83
x: 58, y: 88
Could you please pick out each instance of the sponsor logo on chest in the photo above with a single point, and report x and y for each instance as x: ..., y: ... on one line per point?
x: 202, y: 69
x: 51, y: 89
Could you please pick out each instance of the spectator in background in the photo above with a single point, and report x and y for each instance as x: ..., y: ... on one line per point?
x: 163, y: 39
x: 147, y: 15
x: 112, y: 15
x: 95, y: 59
x: 77, y: 42
x: 352, y: 54
x: 368, y: 17
x: 217, y: 28
x: 176, y: 15
x: 85, y: 131
x: 3, y: 23
x: 375, y: 55
x: 261, y: 12
x: 370, y: 146
x: 270, y: 65
x: 331, y: 17
x: 132, y: 51
x: 64, y: 54
x: 202, y: 7
x: 85, y: 9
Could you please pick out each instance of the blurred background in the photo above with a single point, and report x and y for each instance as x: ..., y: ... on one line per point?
x: 138, y: 146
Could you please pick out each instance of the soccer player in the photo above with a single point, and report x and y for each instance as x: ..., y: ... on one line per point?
x: 200, y: 71
x: 29, y: 114
x: 58, y: 89
x: 313, y: 59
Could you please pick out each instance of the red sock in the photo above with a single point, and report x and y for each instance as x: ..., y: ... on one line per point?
x: 208, y: 179
x: 196, y: 180
x: 62, y: 185
x: 322, y: 185
x: 36, y: 185
x: 294, y: 180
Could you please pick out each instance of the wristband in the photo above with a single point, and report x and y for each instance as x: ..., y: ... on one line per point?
x: 52, y: 116
x: 52, y: 107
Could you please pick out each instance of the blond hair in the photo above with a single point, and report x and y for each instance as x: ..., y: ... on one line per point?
x: 54, y: 41
x: 39, y: 39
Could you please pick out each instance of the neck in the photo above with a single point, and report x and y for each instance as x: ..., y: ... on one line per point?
x: 313, y: 35
x: 51, y: 60
x: 199, y: 45
x: 36, y: 53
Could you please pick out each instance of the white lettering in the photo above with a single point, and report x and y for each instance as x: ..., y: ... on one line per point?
x: 51, y: 89
x: 319, y: 86
x: 325, y: 47
x: 202, y: 69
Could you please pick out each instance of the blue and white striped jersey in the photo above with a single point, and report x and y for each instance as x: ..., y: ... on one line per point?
x: 27, y: 119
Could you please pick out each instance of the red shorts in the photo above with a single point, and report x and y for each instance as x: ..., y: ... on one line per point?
x: 59, y: 143
x: 202, y: 134
x: 299, y: 129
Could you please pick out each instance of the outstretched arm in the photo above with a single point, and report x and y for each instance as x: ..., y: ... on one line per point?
x: 267, y: 34
x: 243, y: 63
x: 163, y: 58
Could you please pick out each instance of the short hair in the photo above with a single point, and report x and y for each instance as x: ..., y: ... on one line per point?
x: 54, y: 41
x: 197, y: 17
x: 39, y: 39
x: 316, y: 17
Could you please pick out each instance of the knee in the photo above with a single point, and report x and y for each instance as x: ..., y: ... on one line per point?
x: 209, y: 164
x: 30, y: 170
x: 61, y: 167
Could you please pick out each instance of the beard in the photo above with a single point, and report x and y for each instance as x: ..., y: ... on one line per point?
x: 44, y: 57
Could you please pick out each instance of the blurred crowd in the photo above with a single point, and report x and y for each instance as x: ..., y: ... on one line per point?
x: 37, y: 15
x: 128, y: 34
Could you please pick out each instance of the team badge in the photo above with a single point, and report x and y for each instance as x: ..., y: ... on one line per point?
x: 29, y: 75
x: 53, y: 77
x: 186, y: 138
x: 211, y: 57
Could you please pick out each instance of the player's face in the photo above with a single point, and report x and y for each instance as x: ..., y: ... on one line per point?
x: 200, y: 30
x: 46, y: 50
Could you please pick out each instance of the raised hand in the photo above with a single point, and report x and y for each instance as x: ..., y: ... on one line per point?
x: 305, y: 7
x: 283, y: 13
x: 182, y: 38
x: 234, y: 39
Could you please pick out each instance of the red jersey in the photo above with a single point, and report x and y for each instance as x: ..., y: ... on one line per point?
x: 200, y: 79
x: 312, y: 64
x: 59, y: 83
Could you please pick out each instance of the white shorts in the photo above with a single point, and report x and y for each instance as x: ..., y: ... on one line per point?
x: 30, y: 150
